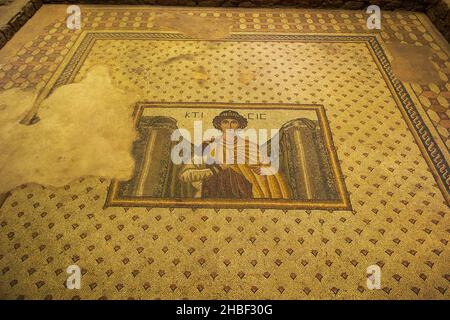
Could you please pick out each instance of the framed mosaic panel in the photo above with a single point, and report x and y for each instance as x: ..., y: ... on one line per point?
x: 309, y: 174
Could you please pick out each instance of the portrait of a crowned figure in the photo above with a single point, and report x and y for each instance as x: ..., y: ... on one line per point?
x: 239, y: 173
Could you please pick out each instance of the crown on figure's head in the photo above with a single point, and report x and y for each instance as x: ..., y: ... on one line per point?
x: 229, y: 114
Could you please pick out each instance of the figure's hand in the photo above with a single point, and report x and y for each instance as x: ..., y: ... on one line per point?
x: 256, y: 169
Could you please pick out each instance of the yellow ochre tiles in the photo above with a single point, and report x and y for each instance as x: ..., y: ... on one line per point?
x: 398, y: 218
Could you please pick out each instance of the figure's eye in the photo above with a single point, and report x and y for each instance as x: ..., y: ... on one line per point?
x: 225, y: 121
x: 234, y: 122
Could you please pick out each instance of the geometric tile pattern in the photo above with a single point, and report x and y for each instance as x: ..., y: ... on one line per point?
x: 159, y: 253
x: 399, y: 219
x: 305, y: 73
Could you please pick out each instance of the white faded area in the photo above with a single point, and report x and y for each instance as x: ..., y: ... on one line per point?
x: 85, y: 129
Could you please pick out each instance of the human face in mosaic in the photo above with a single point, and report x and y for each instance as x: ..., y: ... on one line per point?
x: 227, y: 124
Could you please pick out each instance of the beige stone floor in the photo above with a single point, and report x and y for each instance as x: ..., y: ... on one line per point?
x: 56, y: 216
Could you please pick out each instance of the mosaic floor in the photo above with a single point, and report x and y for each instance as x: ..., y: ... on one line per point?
x: 385, y: 129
